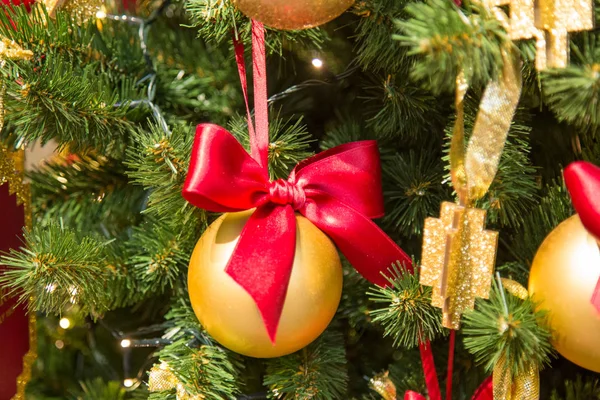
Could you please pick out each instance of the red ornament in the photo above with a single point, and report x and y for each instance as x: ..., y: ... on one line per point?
x: 583, y: 182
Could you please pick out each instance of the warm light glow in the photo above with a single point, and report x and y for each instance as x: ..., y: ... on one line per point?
x: 125, y: 343
x: 101, y: 14
x: 59, y: 344
x: 64, y: 323
x: 128, y: 382
x: 317, y: 62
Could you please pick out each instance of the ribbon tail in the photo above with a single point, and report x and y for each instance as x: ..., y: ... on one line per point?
x: 485, y: 391
x: 363, y: 243
x: 410, y: 395
x: 263, y: 258
x: 431, y: 379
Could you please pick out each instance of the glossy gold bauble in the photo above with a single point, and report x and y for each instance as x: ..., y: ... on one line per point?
x: 229, y: 314
x: 563, y: 277
x: 293, y: 14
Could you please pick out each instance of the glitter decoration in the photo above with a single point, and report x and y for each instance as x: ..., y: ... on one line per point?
x: 161, y: 378
x: 458, y: 260
x: 458, y: 253
x: 82, y: 10
x: 9, y: 50
x: 548, y: 22
x: 525, y: 386
x: 383, y: 385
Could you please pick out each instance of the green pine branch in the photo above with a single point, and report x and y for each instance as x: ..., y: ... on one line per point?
x: 289, y: 142
x: 407, y: 314
x: 413, y: 190
x: 317, y: 371
x: 375, y: 47
x: 447, y: 40
x: 208, y: 372
x: 76, y: 106
x: 57, y: 268
x: 510, y: 329
x: 573, y: 93
x: 159, y: 162
x: 88, y: 192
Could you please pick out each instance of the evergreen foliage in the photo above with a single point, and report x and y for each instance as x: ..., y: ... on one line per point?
x: 112, y: 234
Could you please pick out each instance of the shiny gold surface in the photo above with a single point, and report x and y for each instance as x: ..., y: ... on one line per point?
x: 549, y: 22
x: 293, y: 14
x: 230, y: 315
x: 525, y: 386
x: 563, y: 277
x: 458, y: 260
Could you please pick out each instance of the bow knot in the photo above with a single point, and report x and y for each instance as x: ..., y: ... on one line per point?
x: 284, y: 192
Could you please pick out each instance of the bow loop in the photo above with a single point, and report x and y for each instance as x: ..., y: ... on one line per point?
x: 222, y: 176
x: 350, y: 173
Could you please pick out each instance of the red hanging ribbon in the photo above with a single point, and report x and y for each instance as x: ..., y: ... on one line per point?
x: 583, y: 181
x: 338, y: 190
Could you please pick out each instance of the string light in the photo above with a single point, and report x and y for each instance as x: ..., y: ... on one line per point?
x: 59, y: 344
x: 128, y: 382
x: 64, y: 323
x: 125, y: 343
x: 317, y: 62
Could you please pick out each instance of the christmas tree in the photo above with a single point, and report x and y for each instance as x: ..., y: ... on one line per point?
x: 476, y: 110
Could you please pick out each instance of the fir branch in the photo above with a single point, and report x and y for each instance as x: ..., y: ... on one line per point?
x: 573, y: 93
x: 408, y: 316
x: 317, y: 371
x: 72, y: 105
x: 289, y: 143
x: 448, y: 40
x: 374, y: 44
x: 510, y: 329
x: 97, y: 389
x: 579, y: 390
x: 158, y: 254
x: 37, y: 32
x: 413, y: 190
x: 159, y: 163
x: 208, y: 372
x: 397, y: 107
x: 217, y: 19
x: 88, y: 192
x: 554, y: 208
x: 57, y: 268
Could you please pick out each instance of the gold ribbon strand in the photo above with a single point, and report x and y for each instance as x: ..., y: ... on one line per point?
x: 525, y: 386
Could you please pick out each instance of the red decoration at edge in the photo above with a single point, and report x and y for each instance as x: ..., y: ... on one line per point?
x: 583, y: 182
x: 14, y: 322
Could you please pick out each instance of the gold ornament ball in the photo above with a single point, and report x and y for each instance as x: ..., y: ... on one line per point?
x: 229, y: 314
x: 293, y: 14
x: 563, y: 277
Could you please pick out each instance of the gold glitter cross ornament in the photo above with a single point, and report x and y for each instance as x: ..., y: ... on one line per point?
x: 458, y: 253
x: 549, y: 22
x: 458, y: 242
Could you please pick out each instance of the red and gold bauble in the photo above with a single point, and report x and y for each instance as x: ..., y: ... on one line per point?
x: 563, y: 277
x: 229, y: 314
x: 293, y: 14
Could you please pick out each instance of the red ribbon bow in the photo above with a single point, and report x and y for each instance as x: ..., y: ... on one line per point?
x: 583, y: 181
x: 338, y: 190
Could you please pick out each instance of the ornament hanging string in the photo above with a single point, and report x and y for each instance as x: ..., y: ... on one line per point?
x: 583, y: 182
x: 338, y: 190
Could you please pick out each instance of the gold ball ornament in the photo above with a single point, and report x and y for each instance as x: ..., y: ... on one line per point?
x: 563, y: 277
x: 293, y: 14
x: 229, y: 314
